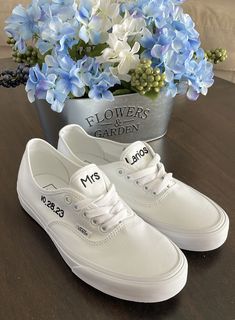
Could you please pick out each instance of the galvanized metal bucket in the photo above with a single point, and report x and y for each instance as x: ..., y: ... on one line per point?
x: 128, y: 118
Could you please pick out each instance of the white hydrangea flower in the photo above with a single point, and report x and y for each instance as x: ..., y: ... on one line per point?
x: 120, y: 52
x: 129, y: 58
x: 108, y: 11
x: 129, y: 26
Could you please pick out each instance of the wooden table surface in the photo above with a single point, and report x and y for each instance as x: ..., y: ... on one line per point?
x: 36, y: 284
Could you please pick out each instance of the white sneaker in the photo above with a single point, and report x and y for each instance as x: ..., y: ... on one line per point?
x: 101, y: 239
x: 190, y: 219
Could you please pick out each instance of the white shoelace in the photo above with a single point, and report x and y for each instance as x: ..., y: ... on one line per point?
x: 107, y: 211
x: 154, y: 177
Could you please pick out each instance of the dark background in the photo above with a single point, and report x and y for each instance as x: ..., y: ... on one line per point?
x: 36, y: 284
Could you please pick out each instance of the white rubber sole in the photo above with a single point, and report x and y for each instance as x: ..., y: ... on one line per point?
x: 206, y: 241
x: 138, y: 291
x: 202, y: 242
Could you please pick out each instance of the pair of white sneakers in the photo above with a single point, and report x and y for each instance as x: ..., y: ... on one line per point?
x: 124, y: 244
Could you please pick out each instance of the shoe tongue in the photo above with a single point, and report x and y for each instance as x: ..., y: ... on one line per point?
x: 90, y: 181
x: 138, y: 155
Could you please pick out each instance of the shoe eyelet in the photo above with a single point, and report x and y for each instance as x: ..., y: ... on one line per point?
x: 76, y: 207
x: 103, y: 229
x: 68, y: 200
x: 137, y: 182
x: 120, y: 172
x: 154, y: 193
x: 84, y: 214
x: 128, y: 177
x: 146, y: 188
x: 94, y: 221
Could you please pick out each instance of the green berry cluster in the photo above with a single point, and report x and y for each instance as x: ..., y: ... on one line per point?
x: 217, y: 55
x: 30, y: 57
x: 11, y: 42
x: 146, y: 79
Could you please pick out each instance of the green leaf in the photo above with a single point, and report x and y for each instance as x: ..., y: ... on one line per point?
x: 41, y: 57
x: 141, y: 50
x: 97, y: 50
x: 126, y: 85
x: 120, y: 92
x: 73, y: 52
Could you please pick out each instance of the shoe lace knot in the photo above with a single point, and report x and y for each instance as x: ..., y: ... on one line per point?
x: 107, y: 211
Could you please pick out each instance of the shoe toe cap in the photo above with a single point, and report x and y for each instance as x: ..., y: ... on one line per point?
x: 192, y: 220
x: 189, y: 210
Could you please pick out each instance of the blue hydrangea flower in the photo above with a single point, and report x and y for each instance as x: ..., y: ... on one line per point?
x: 200, y: 78
x: 91, y: 25
x: 42, y: 85
x: 61, y: 76
x: 148, y: 41
x: 154, y: 11
x: 84, y: 11
x: 68, y: 74
x: 63, y: 9
x: 92, y: 31
x: 101, y: 91
x: 38, y: 83
x: 56, y: 98
x: 101, y: 84
x: 169, y: 40
x: 56, y: 33
x: 175, y: 48
x: 97, y: 80
x: 88, y: 69
x: 22, y: 24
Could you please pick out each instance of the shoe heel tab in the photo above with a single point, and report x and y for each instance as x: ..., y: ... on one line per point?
x: 66, y: 129
x: 30, y: 143
x: 33, y: 141
x: 36, y: 142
